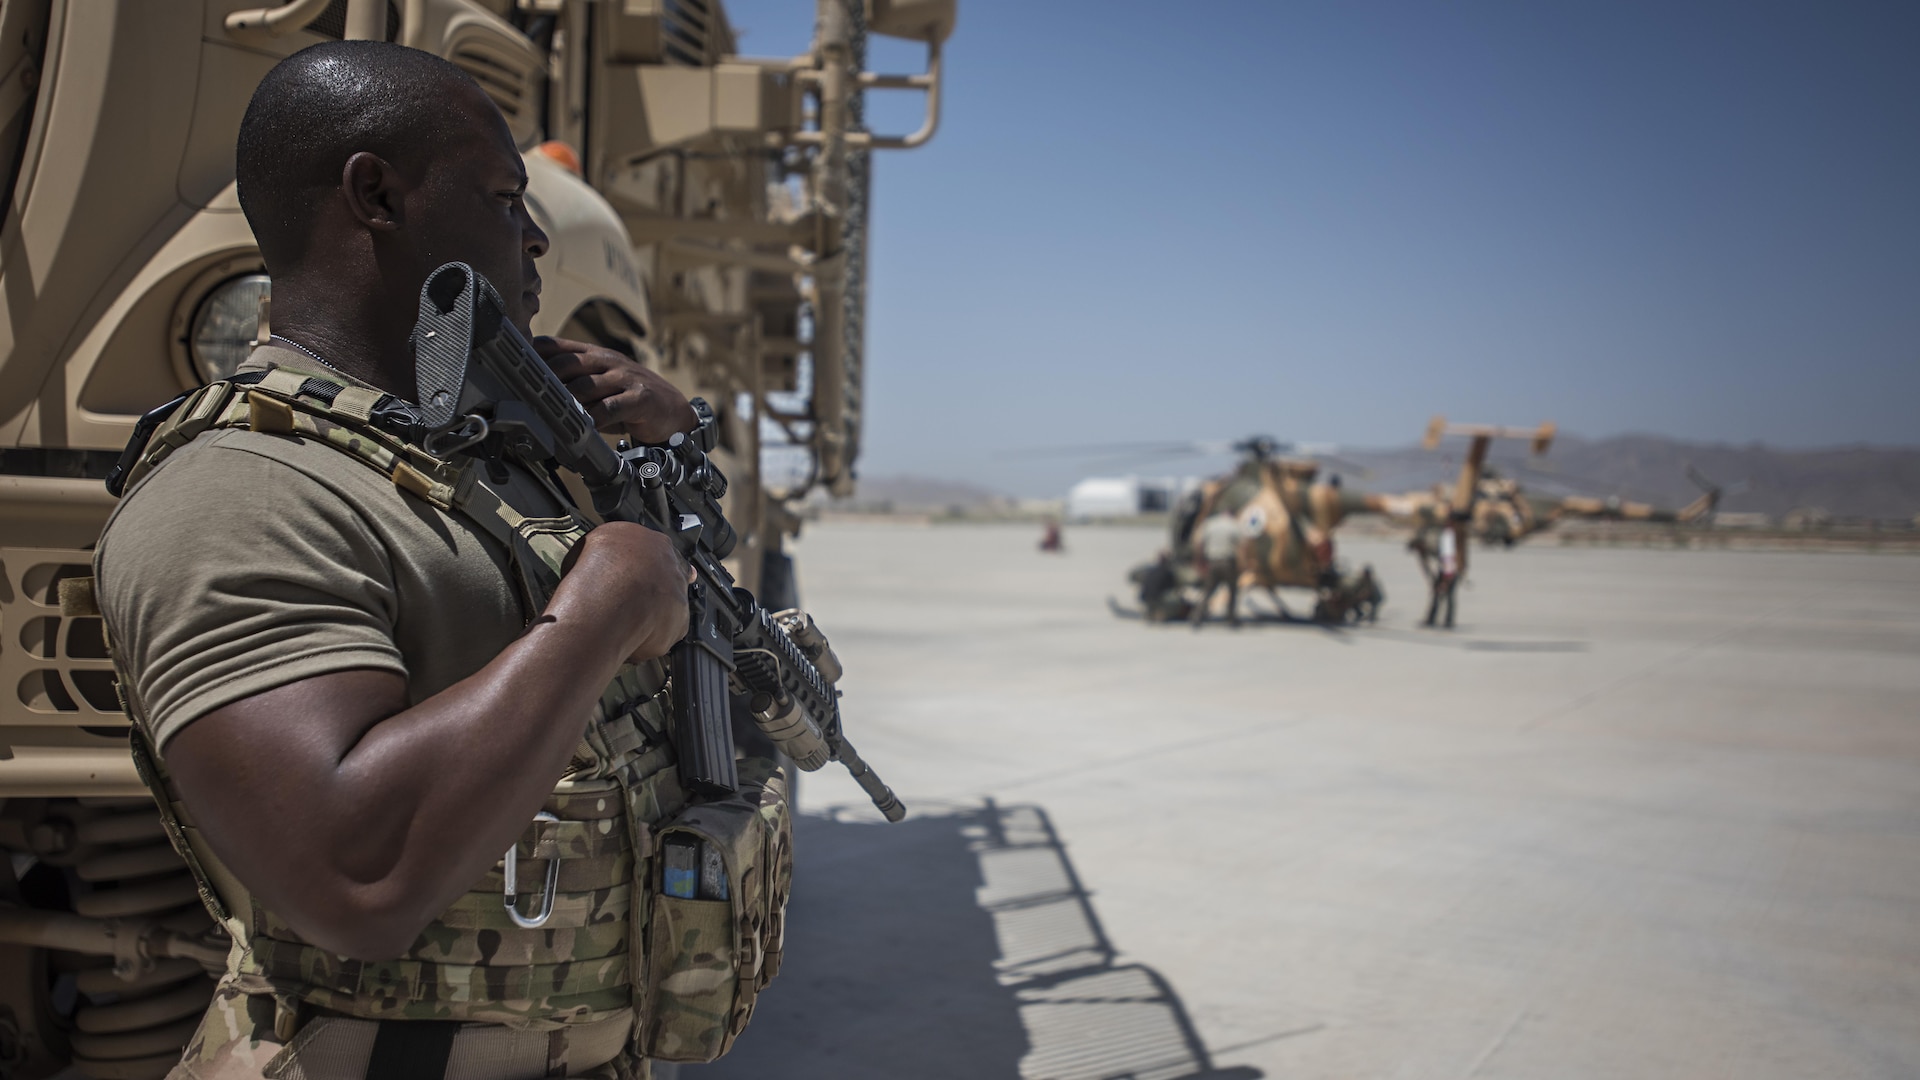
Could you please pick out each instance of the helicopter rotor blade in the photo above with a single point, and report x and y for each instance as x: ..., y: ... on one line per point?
x: 1327, y: 454
x: 1145, y: 449
x: 1094, y: 450
x: 1124, y: 454
x: 1181, y: 459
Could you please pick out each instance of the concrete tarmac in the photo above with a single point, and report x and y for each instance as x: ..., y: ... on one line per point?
x: 1643, y: 814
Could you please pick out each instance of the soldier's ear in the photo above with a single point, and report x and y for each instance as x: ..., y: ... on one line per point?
x: 374, y: 191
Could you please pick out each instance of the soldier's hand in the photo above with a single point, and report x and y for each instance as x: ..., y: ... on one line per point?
x: 622, y: 395
x: 635, y: 572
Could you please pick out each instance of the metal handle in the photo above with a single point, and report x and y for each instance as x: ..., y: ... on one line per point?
x: 927, y: 83
x: 509, y: 891
x: 272, y: 22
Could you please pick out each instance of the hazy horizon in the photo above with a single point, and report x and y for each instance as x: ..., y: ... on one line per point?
x: 1328, y: 223
x: 1204, y: 465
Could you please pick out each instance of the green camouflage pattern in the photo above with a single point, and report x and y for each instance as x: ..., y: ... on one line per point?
x: 713, y: 957
x: 237, y: 1040
x: 473, y: 963
x: 223, y: 405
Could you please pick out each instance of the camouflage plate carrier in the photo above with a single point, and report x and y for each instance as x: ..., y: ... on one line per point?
x: 612, y: 939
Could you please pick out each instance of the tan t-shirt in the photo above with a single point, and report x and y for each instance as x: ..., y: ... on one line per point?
x: 247, y: 561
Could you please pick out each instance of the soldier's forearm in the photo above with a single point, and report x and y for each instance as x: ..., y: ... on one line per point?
x: 359, y: 818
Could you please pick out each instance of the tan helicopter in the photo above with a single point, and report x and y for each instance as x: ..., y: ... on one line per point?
x: 1505, y: 513
x: 1446, y: 519
x: 1287, y: 516
x: 1493, y: 508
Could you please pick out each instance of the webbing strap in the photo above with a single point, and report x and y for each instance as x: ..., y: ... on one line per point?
x: 481, y: 910
x: 585, y: 873
x: 412, y: 1049
x: 489, y: 511
x: 357, y: 402
x: 428, y: 980
x: 558, y: 839
x: 146, y: 762
x: 286, y: 401
x: 285, y: 381
x: 411, y: 469
x: 342, y: 424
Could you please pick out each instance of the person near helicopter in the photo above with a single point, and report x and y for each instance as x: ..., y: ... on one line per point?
x: 1161, y: 597
x: 1218, y: 564
x: 1437, y: 545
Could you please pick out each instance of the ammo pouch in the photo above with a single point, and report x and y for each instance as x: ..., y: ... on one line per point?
x: 708, y: 959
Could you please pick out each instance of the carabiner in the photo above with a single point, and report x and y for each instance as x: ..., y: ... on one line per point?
x: 509, y: 897
x: 470, y: 430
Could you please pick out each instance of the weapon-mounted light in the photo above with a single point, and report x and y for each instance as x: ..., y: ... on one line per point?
x: 225, y: 325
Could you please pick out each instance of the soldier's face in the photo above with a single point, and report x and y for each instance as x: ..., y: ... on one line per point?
x: 475, y: 211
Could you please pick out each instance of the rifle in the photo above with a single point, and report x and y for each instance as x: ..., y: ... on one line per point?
x: 479, y: 378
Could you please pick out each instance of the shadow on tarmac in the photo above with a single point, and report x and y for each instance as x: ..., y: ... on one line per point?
x: 1458, y: 639
x: 1250, y: 616
x: 956, y: 945
x: 1349, y: 634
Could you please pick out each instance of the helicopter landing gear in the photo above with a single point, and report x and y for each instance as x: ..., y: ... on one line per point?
x: 1348, y: 599
x: 1279, y: 605
x: 1214, y: 581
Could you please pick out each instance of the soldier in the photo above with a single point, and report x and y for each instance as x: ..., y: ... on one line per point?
x: 1218, y: 562
x: 1160, y: 594
x: 354, y: 687
x: 1437, y: 545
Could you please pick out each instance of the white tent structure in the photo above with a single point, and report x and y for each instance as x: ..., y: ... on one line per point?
x: 1125, y: 496
x: 1104, y: 497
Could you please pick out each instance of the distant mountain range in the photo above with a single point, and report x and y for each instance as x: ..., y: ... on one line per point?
x: 915, y: 494
x: 1851, y: 482
x: 1846, y: 482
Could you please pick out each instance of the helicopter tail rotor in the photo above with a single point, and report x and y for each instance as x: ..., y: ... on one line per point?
x: 1702, y: 508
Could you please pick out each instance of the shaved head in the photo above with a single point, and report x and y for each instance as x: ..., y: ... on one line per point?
x: 363, y: 167
x: 324, y: 104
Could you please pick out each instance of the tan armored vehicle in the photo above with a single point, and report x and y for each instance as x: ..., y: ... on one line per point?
x: 707, y: 211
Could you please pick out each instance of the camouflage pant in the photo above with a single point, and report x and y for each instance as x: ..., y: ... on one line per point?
x: 1442, y: 599
x: 236, y: 1041
x: 1224, y: 574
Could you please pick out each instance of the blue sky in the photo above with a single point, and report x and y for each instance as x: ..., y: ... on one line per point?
x: 1330, y: 221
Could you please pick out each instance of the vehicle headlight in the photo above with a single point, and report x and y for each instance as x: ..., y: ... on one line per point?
x: 225, y: 325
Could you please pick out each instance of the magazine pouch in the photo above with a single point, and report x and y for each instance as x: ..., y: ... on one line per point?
x: 718, y: 889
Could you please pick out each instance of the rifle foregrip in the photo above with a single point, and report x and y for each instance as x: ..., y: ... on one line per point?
x: 702, y: 724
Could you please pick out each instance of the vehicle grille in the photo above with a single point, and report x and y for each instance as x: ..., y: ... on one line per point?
x: 51, y: 665
x: 687, y: 31
x: 506, y: 77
